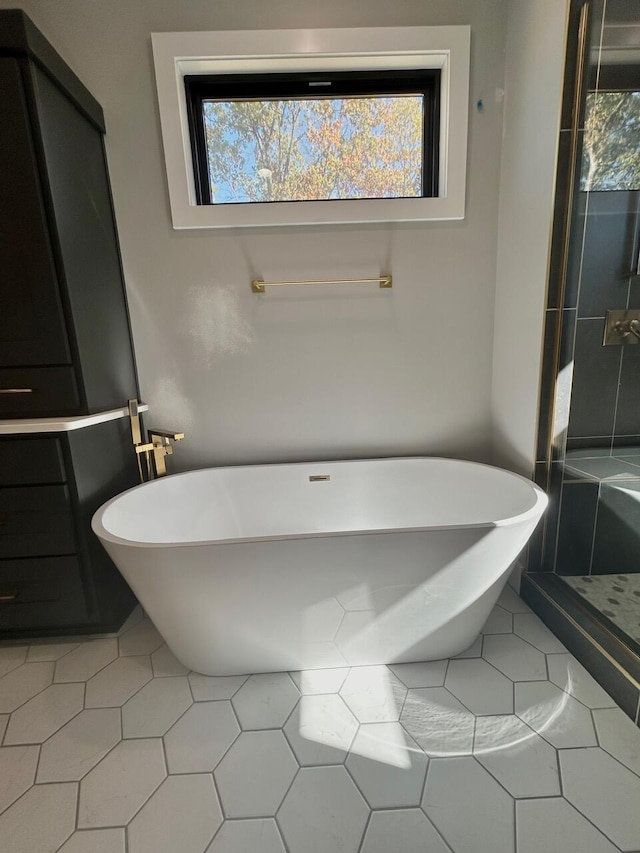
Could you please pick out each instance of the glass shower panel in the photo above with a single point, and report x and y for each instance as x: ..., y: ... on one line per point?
x: 598, y: 545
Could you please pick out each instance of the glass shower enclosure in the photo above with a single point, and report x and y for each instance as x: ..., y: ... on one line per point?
x: 584, y: 569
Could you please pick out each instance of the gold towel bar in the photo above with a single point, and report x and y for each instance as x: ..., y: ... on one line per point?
x: 258, y: 285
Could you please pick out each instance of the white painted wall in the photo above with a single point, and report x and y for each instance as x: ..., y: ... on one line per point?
x: 291, y: 377
x: 534, y: 68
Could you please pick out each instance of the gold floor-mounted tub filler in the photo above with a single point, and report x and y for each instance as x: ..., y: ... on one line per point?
x: 157, y: 447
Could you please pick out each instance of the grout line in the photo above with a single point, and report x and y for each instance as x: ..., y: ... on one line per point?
x: 364, y: 831
x: 220, y: 803
x: 235, y: 714
x: 285, y: 843
x: 240, y: 819
x: 7, y: 807
x: 222, y: 822
x: 238, y: 688
x: 77, y: 805
x: 598, y: 829
x: 560, y: 779
x: 193, y: 698
x: 556, y: 533
x: 598, y: 436
x: 242, y: 731
x: 402, y: 704
x: 617, y: 760
x: 219, y: 829
x: 503, y: 674
x: 619, y: 381
x: 423, y: 791
x: 223, y: 756
x: 164, y: 756
x: 582, y: 250
x: 490, y: 773
x: 448, y: 664
x: 292, y: 712
x: 353, y: 779
x: 295, y: 686
x: 286, y: 794
x: 135, y: 692
x: 137, y: 812
x: 93, y: 674
x: 175, y: 723
x: 10, y: 713
x: 440, y: 832
x: 52, y: 735
x: 595, y: 728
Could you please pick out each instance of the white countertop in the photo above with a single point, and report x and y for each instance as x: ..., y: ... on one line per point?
x: 15, y: 426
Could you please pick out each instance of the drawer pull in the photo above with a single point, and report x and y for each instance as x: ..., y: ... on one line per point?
x: 16, y: 390
x: 8, y: 596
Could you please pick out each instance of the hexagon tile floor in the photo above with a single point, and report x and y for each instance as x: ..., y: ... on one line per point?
x: 110, y: 746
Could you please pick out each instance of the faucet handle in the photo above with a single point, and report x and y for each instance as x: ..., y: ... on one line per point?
x: 143, y: 448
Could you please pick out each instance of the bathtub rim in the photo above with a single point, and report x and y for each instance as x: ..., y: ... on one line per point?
x: 537, y: 509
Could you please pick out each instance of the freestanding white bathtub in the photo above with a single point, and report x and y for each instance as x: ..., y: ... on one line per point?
x: 265, y: 568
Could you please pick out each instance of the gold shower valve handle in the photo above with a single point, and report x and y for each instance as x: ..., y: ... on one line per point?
x: 622, y: 326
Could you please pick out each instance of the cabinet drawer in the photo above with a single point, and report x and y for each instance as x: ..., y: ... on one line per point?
x: 38, y: 391
x: 24, y: 461
x: 35, y: 521
x: 41, y: 593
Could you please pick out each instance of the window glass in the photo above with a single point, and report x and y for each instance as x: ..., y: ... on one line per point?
x: 611, y: 151
x: 297, y: 137
x: 303, y: 149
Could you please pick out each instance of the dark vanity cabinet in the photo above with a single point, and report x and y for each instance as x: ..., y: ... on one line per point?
x: 65, y: 347
x: 55, y: 577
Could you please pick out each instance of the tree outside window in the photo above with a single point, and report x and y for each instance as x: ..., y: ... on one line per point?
x: 315, y: 148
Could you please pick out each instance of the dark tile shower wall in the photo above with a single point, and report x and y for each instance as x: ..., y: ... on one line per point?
x: 599, y: 529
x: 607, y: 236
x: 575, y: 532
x: 617, y: 536
x: 599, y: 513
x: 599, y: 522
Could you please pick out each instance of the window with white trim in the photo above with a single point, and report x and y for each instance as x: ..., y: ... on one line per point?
x: 314, y: 137
x: 314, y: 126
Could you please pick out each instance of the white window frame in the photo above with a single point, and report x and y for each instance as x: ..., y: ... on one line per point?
x: 265, y: 51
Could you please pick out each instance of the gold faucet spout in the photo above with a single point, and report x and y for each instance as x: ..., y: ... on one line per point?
x: 166, y: 433
x: 160, y: 441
